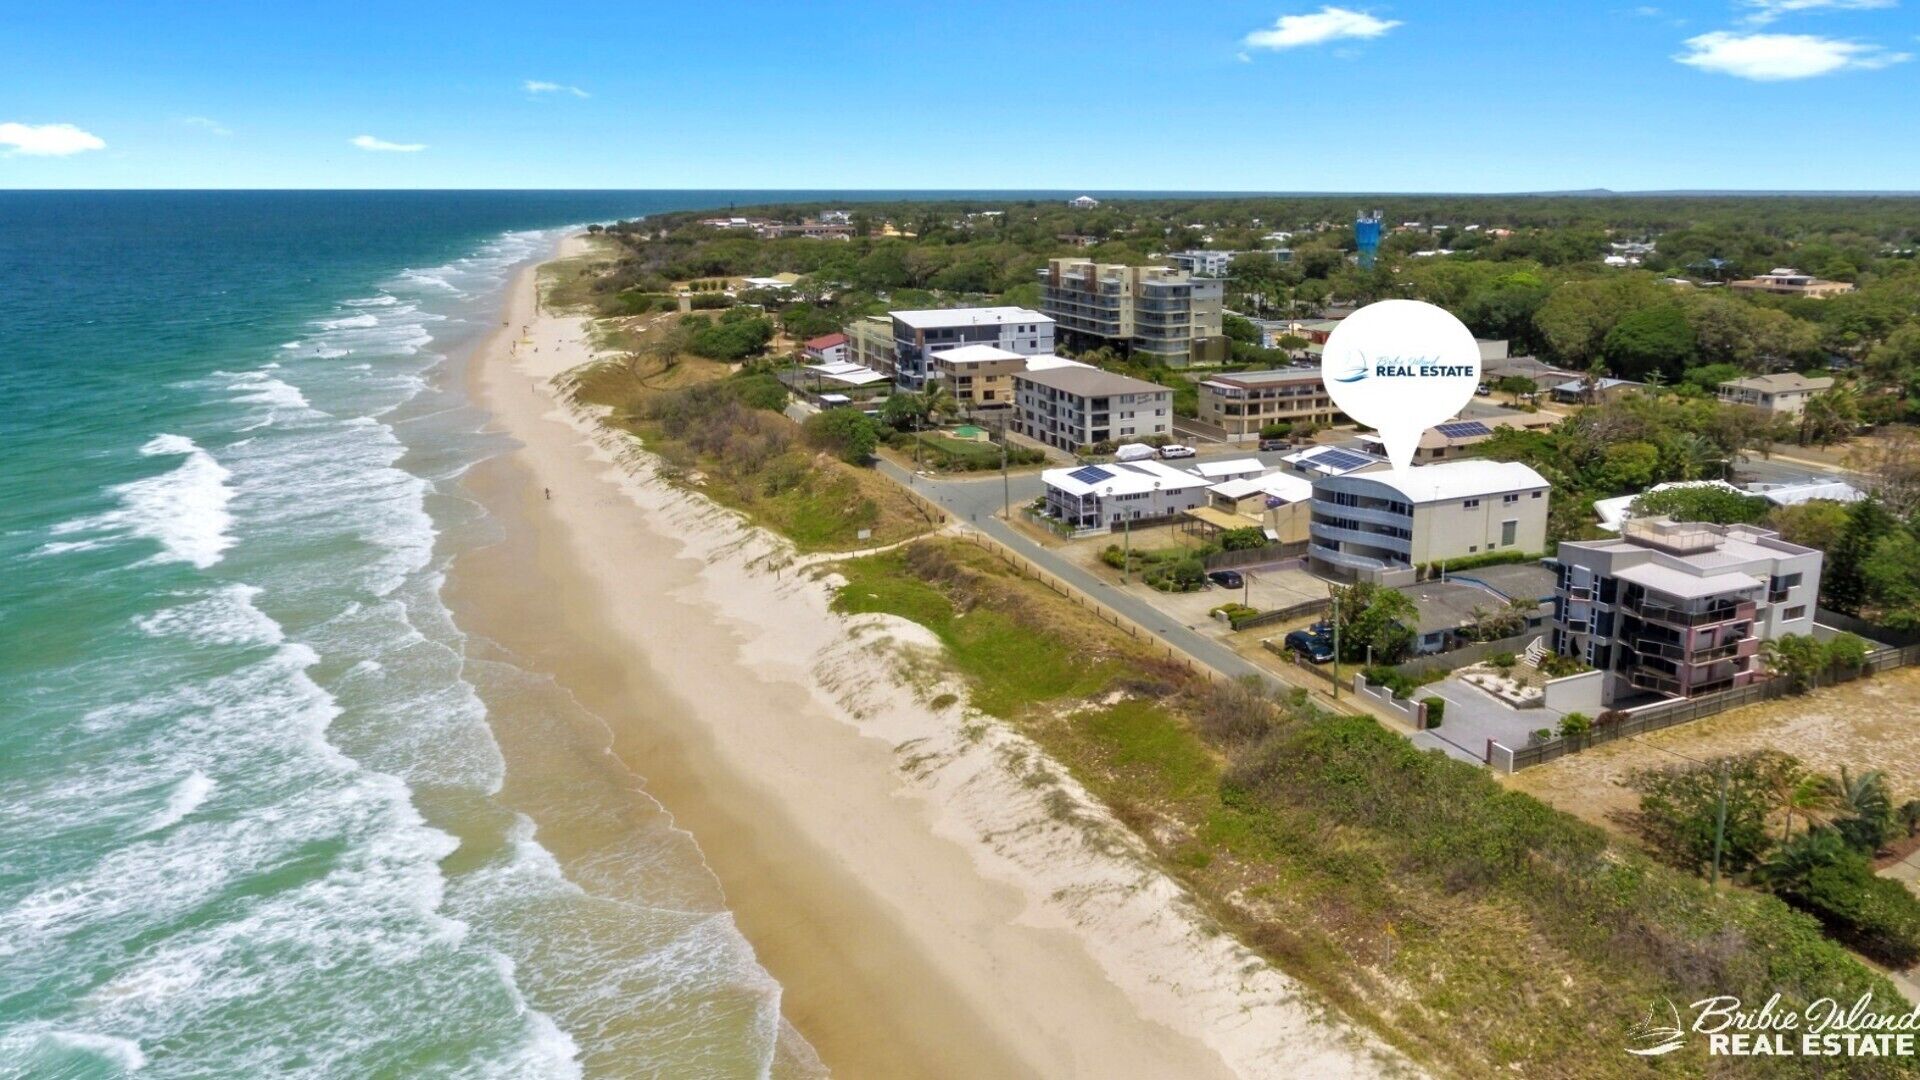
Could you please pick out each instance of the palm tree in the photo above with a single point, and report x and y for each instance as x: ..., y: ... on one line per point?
x: 1699, y: 456
x: 1830, y: 417
x: 1815, y: 798
x: 937, y: 401
x: 1863, y: 807
x: 1792, y: 863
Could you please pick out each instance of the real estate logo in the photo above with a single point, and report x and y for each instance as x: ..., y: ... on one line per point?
x: 1400, y: 367
x: 1827, y: 1027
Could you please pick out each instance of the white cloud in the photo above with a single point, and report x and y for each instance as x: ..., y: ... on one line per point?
x: 1328, y: 24
x: 368, y: 142
x: 536, y: 86
x: 211, y: 127
x: 48, y: 140
x: 1765, y: 11
x: 1776, y: 57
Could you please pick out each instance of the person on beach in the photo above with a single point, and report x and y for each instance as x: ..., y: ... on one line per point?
x: 548, y: 492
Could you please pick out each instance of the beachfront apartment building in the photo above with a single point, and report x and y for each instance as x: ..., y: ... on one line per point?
x: 1381, y: 525
x: 870, y: 343
x: 980, y: 377
x: 1096, y: 498
x: 1158, y: 312
x: 1784, y: 394
x: 1671, y: 609
x: 1786, y: 281
x: 919, y: 334
x: 1071, y: 407
x: 1242, y: 403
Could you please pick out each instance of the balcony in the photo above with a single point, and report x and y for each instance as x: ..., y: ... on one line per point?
x: 1341, y: 558
x: 1338, y: 534
x: 1672, y: 616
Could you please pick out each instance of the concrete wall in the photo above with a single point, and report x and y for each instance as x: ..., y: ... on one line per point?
x: 1576, y: 693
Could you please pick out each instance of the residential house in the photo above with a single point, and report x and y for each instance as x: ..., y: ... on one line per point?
x: 1786, y: 281
x: 828, y: 349
x: 1071, y: 407
x: 1242, y: 403
x: 1577, y: 392
x: 1166, y: 314
x: 1083, y: 202
x: 1784, y: 394
x: 1318, y: 461
x: 1382, y: 524
x: 980, y: 377
x: 1278, y: 502
x: 1445, y: 442
x: 1095, y: 498
x: 1674, y: 609
x: 919, y: 334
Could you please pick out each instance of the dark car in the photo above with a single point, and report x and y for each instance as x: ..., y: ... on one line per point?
x: 1227, y: 579
x: 1310, y: 645
x: 1275, y: 444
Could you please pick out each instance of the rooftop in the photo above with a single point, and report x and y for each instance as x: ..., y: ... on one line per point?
x: 1781, y: 383
x: 1444, y: 605
x: 1120, y: 478
x: 1285, y: 487
x: 1332, y: 460
x: 827, y: 341
x: 1247, y: 380
x: 932, y: 318
x: 1090, y: 382
x: 975, y: 354
x: 1229, y: 468
x: 1463, y: 479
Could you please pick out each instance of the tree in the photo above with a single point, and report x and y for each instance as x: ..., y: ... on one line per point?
x: 1376, y: 616
x: 849, y: 434
x: 1714, y: 504
x: 1816, y: 523
x: 1831, y: 416
x: 1679, y: 811
x: 1650, y: 340
x: 1844, y: 584
x: 1798, y: 658
x: 1864, y: 806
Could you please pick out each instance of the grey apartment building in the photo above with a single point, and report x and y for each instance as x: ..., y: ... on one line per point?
x: 1157, y: 312
x: 1071, y: 407
x: 1673, y: 609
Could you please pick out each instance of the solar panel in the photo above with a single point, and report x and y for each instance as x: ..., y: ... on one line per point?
x: 1464, y: 429
x: 1092, y: 474
x: 1341, y: 459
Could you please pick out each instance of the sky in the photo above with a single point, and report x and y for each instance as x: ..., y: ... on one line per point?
x: 1445, y: 95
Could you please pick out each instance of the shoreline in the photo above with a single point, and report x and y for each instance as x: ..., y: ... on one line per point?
x: 924, y: 917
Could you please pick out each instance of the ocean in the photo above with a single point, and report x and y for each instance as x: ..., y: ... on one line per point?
x: 251, y: 809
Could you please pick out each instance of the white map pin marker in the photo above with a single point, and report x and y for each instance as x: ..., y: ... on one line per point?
x: 1400, y: 367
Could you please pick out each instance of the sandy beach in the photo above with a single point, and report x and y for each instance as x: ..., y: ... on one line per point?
x: 922, y: 910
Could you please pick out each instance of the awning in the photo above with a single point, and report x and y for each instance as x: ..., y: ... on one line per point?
x: 1220, y: 519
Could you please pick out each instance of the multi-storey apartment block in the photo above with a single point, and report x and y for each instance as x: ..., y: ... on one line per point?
x: 918, y: 334
x: 1243, y: 403
x: 1678, y: 609
x: 1381, y: 525
x: 980, y: 377
x: 1161, y: 313
x: 1071, y: 407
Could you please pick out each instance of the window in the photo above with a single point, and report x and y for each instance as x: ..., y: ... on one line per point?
x: 1471, y: 548
x: 1537, y: 494
x: 1509, y: 533
x: 1470, y: 504
x: 1509, y: 500
x: 1797, y: 611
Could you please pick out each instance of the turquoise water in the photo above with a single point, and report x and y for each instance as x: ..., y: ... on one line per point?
x: 251, y: 809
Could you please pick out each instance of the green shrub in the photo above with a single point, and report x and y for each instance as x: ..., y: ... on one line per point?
x: 1243, y: 539
x: 1436, y: 710
x: 1279, y: 429
x: 1575, y: 724
x: 848, y: 434
x: 1503, y: 661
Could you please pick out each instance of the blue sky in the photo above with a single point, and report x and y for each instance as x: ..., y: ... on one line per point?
x: 1468, y: 95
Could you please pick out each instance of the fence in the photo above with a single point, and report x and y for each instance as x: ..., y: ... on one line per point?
x: 1285, y: 614
x: 1861, y: 627
x: 1027, y: 568
x: 1271, y: 553
x: 1667, y: 714
x: 1468, y: 654
x: 1415, y: 712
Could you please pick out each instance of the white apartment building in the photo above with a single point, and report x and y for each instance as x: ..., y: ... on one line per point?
x: 917, y: 334
x: 1380, y: 525
x: 1093, y: 498
x: 1071, y: 407
x: 1678, y: 609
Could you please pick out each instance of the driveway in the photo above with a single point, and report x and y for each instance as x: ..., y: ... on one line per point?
x: 1474, y: 716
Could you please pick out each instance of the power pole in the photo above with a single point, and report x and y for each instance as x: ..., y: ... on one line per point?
x: 1336, y: 646
x: 1006, y: 484
x: 1719, y: 829
x: 1126, y: 556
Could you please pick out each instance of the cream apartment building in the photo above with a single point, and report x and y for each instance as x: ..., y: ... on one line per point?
x: 1157, y: 312
x: 1382, y: 524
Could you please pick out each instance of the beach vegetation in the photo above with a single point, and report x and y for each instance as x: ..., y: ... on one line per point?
x: 1475, y: 928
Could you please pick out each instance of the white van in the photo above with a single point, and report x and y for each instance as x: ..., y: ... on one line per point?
x: 1133, y: 451
x: 1175, y: 450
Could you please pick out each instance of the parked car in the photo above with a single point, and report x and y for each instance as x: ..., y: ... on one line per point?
x: 1274, y: 444
x: 1227, y: 579
x: 1175, y: 450
x: 1483, y: 390
x: 1310, y: 645
x: 1133, y: 451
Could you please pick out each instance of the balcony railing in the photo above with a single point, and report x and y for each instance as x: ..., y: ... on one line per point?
x: 1673, y: 616
x: 1340, y: 534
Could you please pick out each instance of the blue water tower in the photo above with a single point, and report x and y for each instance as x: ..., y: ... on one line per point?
x: 1366, y: 236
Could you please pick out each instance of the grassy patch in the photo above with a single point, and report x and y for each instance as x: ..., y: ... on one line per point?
x: 1474, y: 927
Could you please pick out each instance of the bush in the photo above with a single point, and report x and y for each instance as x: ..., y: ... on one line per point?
x: 1575, y: 725
x: 1243, y: 539
x: 709, y: 301
x: 1279, y: 429
x: 1436, y: 710
x: 1504, y: 661
x: 1818, y: 873
x: 849, y: 434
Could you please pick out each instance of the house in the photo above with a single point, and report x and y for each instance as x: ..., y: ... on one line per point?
x: 1164, y: 314
x: 839, y: 376
x: 1084, y: 202
x: 1674, y: 610
x: 918, y: 334
x: 1317, y: 461
x: 1444, y: 442
x: 1278, y: 502
x: 978, y: 376
x: 870, y: 343
x: 1784, y: 394
x: 1786, y: 281
x: 1229, y: 469
x: 828, y: 349
x: 1071, y: 407
x: 1096, y: 498
x: 836, y: 217
x: 1542, y: 375
x: 1381, y: 524
x: 1810, y: 491
x: 1577, y: 392
x: 817, y: 230
x: 1244, y: 402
